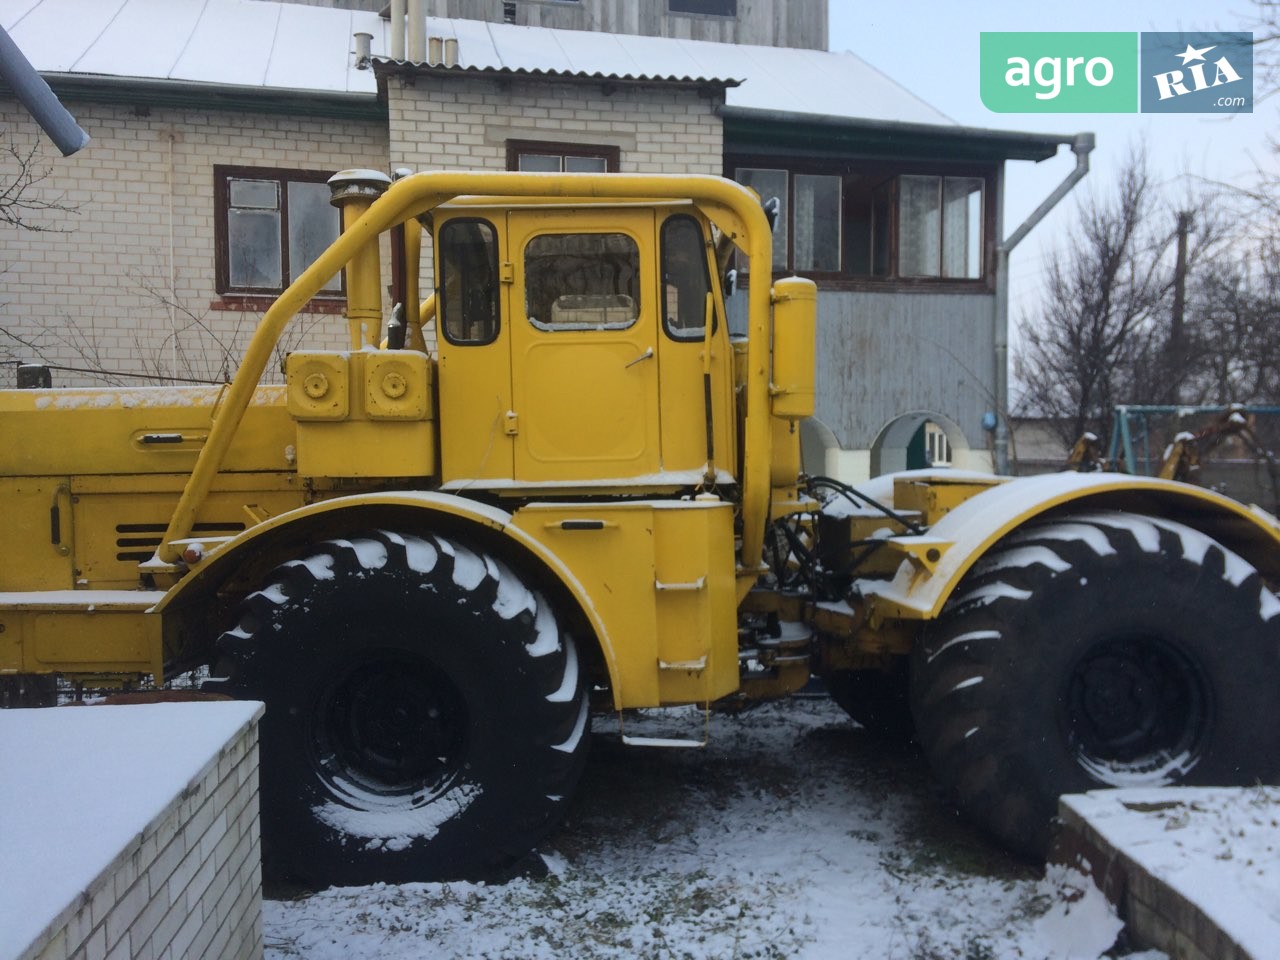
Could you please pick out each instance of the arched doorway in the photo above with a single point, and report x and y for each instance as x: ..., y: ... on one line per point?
x: 817, y: 440
x: 915, y: 441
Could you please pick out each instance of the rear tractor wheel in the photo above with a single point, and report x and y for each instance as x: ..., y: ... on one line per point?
x: 426, y: 716
x: 1101, y: 650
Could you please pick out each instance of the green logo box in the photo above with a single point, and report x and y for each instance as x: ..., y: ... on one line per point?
x: 1059, y: 72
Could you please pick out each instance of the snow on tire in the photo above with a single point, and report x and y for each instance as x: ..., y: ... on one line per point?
x: 1098, y: 650
x: 426, y: 715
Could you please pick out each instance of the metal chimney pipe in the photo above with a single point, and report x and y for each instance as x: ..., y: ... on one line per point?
x: 417, y: 32
x: 435, y: 51
x: 397, y: 30
x: 363, y: 48
x: 451, y: 51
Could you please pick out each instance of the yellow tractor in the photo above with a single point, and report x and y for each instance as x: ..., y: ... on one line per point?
x: 436, y: 565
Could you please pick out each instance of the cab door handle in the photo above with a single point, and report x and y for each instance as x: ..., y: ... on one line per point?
x: 647, y: 355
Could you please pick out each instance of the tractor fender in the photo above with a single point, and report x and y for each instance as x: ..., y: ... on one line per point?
x: 934, y: 563
x: 276, y: 539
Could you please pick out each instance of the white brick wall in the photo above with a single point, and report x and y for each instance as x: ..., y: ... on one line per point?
x: 89, y: 290
x: 189, y: 886
x: 464, y: 124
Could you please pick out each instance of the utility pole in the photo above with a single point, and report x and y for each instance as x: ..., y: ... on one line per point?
x: 1180, y: 282
x: 1176, y: 348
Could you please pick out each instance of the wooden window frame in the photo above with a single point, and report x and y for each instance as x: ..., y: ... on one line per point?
x: 889, y: 170
x: 239, y: 298
x: 612, y: 155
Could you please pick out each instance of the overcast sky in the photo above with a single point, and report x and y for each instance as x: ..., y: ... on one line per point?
x: 931, y: 47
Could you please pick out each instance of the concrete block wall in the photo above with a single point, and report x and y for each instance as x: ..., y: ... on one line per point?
x: 189, y: 886
x: 125, y: 280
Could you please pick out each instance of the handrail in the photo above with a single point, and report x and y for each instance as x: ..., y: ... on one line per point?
x: 419, y: 193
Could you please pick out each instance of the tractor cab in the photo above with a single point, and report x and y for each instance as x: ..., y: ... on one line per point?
x: 573, y: 345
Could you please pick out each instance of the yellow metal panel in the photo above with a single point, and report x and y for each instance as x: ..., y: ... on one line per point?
x: 90, y: 641
x: 364, y: 448
x: 29, y: 558
x: 363, y: 414
x: 135, y: 430
x: 80, y: 631
x: 317, y: 385
x: 660, y: 578
x: 697, y: 610
x: 795, y: 331
x: 587, y: 399
x: 609, y: 550
x: 398, y: 386
x: 119, y: 521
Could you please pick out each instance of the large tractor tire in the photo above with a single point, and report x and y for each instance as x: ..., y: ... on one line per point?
x: 426, y: 716
x: 1103, y: 650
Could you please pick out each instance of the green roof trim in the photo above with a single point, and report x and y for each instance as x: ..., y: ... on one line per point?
x: 764, y: 132
x: 212, y: 96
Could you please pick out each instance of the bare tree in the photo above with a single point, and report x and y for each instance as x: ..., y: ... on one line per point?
x: 1096, y: 331
x: 22, y: 196
x: 24, y: 202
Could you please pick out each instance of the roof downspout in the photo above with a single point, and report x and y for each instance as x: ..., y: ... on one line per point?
x: 1081, y: 145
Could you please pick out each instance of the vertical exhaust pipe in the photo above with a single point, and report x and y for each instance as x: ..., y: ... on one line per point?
x: 353, y: 192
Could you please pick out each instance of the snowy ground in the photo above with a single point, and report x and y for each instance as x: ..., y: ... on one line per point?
x: 794, y: 834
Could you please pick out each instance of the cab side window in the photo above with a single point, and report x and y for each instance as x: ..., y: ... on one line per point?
x: 685, y: 282
x: 468, y: 292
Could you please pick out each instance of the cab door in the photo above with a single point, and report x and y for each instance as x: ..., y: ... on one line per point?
x: 584, y: 345
x: 475, y: 355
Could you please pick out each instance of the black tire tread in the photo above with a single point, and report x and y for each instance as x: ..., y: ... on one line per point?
x: 956, y: 669
x: 259, y: 651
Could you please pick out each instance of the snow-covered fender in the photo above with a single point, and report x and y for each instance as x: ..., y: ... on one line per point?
x: 275, y: 537
x: 934, y: 563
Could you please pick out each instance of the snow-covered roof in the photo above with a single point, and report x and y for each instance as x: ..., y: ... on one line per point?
x: 294, y: 47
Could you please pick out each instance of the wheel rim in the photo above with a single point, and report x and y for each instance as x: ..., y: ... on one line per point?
x: 391, y: 727
x: 1137, y: 711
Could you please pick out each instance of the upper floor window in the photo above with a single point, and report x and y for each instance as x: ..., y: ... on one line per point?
x: 714, y: 8
x: 535, y: 157
x: 874, y: 221
x: 940, y: 227
x: 270, y: 225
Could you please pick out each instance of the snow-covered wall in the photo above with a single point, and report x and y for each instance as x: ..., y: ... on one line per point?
x: 131, y: 831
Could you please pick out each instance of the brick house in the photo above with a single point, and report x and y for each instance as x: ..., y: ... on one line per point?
x: 202, y: 192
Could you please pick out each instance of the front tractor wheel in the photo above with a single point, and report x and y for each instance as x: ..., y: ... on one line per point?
x: 1103, y: 650
x: 426, y: 716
